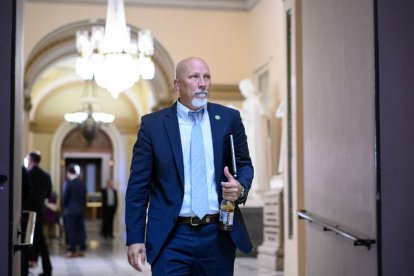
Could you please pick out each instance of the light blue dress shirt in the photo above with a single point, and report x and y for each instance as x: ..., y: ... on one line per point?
x: 186, y: 124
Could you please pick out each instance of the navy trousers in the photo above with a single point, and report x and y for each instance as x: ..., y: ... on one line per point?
x: 108, y: 221
x: 200, y: 250
x: 75, y: 232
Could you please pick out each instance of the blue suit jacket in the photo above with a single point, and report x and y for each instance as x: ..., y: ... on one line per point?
x: 74, y: 197
x: 156, y: 181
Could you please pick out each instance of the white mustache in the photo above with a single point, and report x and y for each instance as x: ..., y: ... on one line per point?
x: 197, y: 93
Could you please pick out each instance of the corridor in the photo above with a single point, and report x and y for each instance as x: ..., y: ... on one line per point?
x: 108, y: 257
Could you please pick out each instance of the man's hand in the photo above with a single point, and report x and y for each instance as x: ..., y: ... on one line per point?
x: 232, y: 188
x: 137, y: 253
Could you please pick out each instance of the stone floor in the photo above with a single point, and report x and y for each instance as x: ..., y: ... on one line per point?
x: 108, y: 257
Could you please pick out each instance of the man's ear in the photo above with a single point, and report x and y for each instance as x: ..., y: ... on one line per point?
x: 177, y: 85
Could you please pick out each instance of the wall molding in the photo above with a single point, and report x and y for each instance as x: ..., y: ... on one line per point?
x: 235, y: 5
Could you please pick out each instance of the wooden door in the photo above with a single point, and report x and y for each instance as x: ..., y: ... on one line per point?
x: 339, y: 136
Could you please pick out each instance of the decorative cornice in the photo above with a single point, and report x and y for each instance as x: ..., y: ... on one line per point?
x: 225, y: 92
x: 43, y: 127
x: 236, y: 5
x: 50, y: 126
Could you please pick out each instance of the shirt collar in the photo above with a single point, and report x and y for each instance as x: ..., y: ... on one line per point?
x: 182, y: 111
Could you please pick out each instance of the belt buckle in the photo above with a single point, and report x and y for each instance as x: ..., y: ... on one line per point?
x: 192, y: 223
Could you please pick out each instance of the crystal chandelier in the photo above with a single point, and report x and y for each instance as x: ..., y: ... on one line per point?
x: 88, y: 120
x: 112, y: 55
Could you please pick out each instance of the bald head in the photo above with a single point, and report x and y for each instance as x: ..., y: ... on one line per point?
x: 192, y: 82
x: 185, y: 65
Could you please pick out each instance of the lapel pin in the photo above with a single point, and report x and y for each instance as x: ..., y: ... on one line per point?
x: 217, y: 117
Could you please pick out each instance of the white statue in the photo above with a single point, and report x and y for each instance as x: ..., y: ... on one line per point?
x: 280, y: 113
x: 255, y: 122
x: 277, y: 180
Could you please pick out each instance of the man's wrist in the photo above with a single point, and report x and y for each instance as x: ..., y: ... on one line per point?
x: 242, y: 196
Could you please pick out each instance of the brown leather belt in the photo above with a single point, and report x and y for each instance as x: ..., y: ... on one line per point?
x: 195, y: 221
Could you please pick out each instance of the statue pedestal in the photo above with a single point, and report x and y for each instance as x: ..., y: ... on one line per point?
x: 270, y: 252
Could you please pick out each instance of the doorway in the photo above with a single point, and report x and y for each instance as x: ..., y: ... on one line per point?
x: 91, y: 175
x: 90, y: 169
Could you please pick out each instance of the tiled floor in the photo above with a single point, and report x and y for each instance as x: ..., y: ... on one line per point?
x: 108, y: 257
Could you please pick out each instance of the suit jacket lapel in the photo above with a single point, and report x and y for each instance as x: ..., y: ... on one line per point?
x: 173, y: 132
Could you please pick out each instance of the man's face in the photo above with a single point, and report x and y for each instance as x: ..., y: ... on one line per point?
x: 193, y: 83
x: 30, y: 162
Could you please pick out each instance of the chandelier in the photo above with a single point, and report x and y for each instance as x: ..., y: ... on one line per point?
x: 113, y: 55
x: 88, y: 120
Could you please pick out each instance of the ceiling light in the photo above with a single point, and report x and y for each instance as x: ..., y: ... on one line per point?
x: 88, y: 120
x: 113, y: 55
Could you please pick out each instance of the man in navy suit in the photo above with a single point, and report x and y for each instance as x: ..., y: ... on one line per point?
x: 161, y: 224
x: 74, y: 202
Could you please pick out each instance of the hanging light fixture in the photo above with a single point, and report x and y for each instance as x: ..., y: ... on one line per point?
x: 112, y: 55
x: 88, y: 120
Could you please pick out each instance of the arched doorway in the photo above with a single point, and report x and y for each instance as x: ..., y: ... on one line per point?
x: 95, y: 160
x: 108, y: 155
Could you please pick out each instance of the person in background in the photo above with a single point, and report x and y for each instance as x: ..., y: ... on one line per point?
x: 51, y: 216
x: 179, y: 175
x: 74, y: 202
x: 109, y: 205
x: 26, y: 189
x: 41, y: 189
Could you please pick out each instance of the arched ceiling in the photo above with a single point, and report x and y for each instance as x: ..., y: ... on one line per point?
x: 51, y: 82
x: 58, y: 90
x: 54, y: 88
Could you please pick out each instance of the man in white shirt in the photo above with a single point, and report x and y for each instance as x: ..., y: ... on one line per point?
x: 109, y: 205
